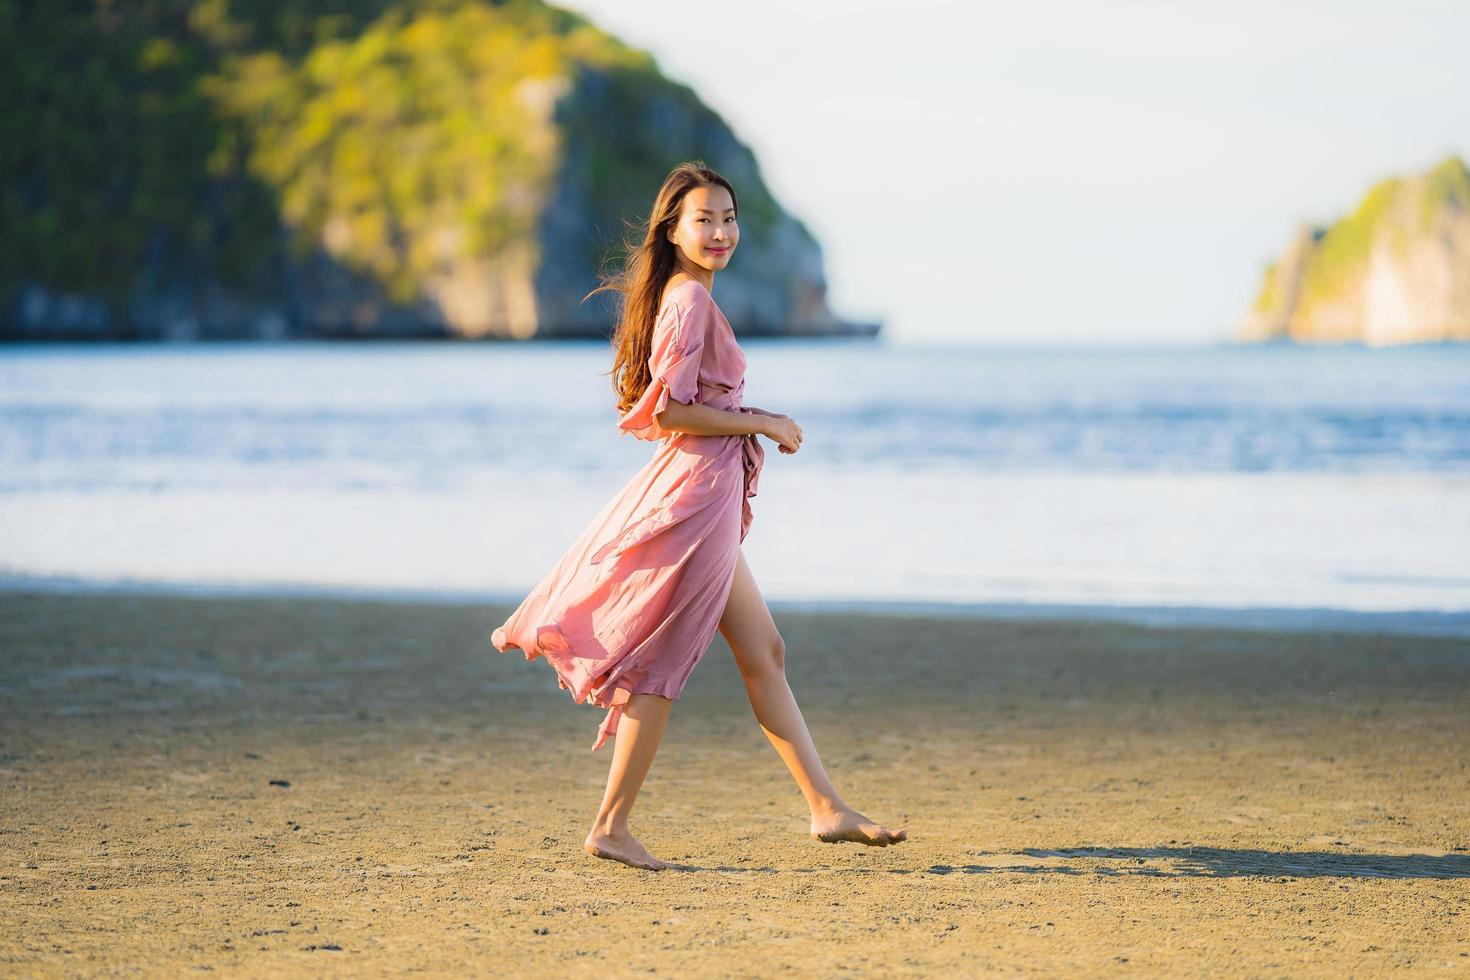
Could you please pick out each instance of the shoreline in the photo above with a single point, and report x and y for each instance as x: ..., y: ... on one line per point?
x: 1400, y: 622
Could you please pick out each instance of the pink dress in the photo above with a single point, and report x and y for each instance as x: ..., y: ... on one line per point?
x: 635, y: 602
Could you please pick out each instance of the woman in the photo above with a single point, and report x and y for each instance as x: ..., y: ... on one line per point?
x: 630, y: 609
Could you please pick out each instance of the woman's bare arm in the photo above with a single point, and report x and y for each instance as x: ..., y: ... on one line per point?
x: 706, y: 420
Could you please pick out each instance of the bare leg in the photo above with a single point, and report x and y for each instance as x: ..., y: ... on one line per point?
x: 760, y: 653
x: 640, y: 730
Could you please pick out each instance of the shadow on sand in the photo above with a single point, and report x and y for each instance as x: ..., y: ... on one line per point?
x: 1224, y: 862
x: 1183, y: 862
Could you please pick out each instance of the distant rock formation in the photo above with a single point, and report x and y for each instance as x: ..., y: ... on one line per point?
x: 354, y: 168
x: 1397, y: 270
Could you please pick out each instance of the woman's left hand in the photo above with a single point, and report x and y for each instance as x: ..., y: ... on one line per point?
x: 774, y: 415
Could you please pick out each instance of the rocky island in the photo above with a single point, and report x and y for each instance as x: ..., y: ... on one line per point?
x: 1396, y: 270
x: 365, y: 168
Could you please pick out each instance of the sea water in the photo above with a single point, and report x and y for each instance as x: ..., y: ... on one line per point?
x: 1226, y: 477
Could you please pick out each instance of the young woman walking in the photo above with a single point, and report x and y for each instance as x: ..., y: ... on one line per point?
x: 631, y: 608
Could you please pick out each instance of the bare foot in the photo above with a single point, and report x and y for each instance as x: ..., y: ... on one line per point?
x: 622, y: 847
x: 834, y: 826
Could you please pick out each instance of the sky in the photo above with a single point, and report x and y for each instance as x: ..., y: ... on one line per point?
x: 1058, y: 172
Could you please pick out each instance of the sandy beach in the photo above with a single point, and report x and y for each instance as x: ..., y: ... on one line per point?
x: 300, y: 786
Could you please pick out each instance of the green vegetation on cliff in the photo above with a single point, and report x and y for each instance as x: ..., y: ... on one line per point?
x: 1342, y: 252
x: 188, y: 127
x: 178, y: 146
x: 419, y: 141
x: 1397, y: 266
x: 1448, y: 186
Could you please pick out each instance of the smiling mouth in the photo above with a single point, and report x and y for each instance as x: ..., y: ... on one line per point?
x: 721, y: 250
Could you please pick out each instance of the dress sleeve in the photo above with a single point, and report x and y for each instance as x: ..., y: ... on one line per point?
x: 678, y: 343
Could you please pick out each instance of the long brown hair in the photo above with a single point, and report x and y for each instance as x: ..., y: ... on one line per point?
x: 647, y: 267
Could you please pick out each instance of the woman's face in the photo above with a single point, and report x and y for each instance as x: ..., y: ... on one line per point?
x: 707, y: 232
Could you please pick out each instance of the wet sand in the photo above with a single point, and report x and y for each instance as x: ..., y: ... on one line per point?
x: 301, y: 786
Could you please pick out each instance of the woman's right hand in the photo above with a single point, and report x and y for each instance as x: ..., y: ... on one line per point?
x: 782, y: 430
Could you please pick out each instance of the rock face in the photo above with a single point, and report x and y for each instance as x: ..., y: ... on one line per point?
x: 775, y: 284
x: 408, y: 169
x: 1395, y: 271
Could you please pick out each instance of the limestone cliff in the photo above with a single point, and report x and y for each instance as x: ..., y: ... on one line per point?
x: 358, y: 168
x: 1397, y: 270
